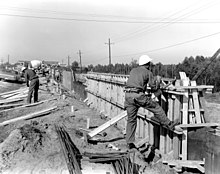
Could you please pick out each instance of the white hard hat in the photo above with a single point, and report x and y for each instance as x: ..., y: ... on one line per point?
x: 144, y: 59
x: 23, y: 68
x: 36, y: 64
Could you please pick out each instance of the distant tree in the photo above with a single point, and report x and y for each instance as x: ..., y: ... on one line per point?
x: 133, y: 64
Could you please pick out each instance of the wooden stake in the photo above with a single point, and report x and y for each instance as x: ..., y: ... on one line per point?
x: 88, y: 123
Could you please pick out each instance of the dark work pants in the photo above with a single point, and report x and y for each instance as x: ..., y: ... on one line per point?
x: 33, y: 88
x: 132, y: 108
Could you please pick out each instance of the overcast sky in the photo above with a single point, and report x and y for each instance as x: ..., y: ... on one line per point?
x: 166, y: 30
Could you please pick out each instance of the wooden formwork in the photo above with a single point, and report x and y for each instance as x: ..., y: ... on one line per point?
x: 105, y: 93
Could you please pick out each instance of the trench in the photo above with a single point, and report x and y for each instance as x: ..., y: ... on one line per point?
x: 79, y: 88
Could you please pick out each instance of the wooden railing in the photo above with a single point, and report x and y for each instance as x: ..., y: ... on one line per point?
x: 105, y: 93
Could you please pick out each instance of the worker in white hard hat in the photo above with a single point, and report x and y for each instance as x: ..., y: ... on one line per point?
x: 138, y: 94
x: 32, y: 81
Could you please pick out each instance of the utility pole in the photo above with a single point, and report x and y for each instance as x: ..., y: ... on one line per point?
x: 68, y: 61
x: 8, y: 59
x: 109, y: 50
x: 80, y: 60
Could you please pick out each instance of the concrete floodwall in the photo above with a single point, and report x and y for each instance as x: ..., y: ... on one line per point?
x: 105, y: 93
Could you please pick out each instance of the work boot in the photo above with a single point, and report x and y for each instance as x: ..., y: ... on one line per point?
x: 173, y: 125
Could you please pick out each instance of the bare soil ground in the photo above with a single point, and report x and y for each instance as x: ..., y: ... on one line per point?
x: 32, y: 146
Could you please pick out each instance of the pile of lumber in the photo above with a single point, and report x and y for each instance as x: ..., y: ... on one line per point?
x: 19, y: 93
x: 29, y: 116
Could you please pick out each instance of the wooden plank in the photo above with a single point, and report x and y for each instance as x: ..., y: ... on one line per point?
x: 149, y: 118
x: 137, y: 133
x: 18, y: 96
x: 199, y: 125
x: 184, y: 162
x: 142, y: 142
x: 191, y: 107
x: 196, y: 103
x: 185, y: 132
x: 13, y: 91
x: 10, y: 100
x: 162, y: 140
x: 171, y: 117
x: 181, y: 88
x: 182, y: 75
x: 176, y: 141
x: 108, y: 124
x: 10, y: 105
x: 29, y: 116
x: 28, y: 105
x: 187, y: 163
x: 146, y: 129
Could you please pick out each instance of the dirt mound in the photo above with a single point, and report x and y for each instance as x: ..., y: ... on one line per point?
x: 31, y: 148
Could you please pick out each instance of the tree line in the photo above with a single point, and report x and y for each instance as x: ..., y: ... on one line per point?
x: 190, y: 65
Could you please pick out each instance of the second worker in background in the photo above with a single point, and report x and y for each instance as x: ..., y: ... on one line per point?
x: 32, y: 80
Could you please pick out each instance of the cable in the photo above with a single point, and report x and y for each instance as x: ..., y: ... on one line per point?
x: 171, y: 21
x: 166, y: 47
x: 174, y: 45
x: 71, y: 13
x: 176, y: 20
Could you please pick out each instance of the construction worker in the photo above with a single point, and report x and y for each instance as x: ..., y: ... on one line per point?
x: 138, y: 95
x: 32, y: 81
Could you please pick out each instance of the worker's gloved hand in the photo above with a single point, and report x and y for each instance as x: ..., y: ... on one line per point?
x: 158, y: 79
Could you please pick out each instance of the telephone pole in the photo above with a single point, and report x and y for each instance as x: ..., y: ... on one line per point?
x: 8, y: 59
x: 109, y: 50
x: 68, y: 61
x: 80, y: 60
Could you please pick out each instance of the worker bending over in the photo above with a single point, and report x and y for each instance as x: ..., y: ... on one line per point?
x: 32, y: 80
x: 137, y: 95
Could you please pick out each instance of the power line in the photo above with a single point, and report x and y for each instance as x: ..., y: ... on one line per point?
x: 146, y: 27
x: 166, y: 47
x: 164, y: 24
x: 80, y: 14
x: 108, y: 21
x: 174, y: 45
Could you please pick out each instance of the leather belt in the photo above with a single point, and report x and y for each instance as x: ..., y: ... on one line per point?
x: 36, y: 77
x: 133, y: 90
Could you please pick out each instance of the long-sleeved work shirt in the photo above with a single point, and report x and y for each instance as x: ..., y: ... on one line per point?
x: 140, y: 78
x: 29, y: 75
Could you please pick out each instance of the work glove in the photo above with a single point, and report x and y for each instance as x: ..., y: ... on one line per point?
x: 158, y: 79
